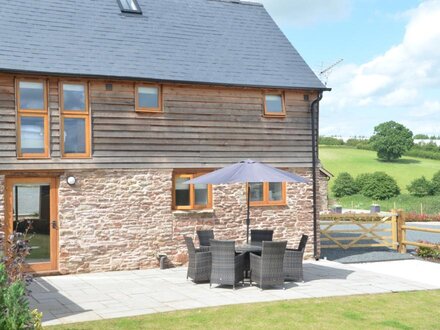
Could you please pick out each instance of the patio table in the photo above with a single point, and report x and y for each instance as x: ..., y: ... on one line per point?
x: 248, y: 248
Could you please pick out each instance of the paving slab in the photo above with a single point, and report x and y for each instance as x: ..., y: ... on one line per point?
x: 87, y: 297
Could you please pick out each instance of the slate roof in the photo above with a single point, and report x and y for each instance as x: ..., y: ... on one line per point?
x: 198, y: 41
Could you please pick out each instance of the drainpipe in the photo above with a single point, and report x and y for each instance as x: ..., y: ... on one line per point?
x: 314, y: 110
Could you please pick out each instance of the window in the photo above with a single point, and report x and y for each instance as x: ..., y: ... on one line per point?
x: 75, y: 120
x: 32, y: 119
x: 274, y: 105
x: 267, y: 193
x: 148, y: 98
x: 129, y: 6
x: 190, y: 196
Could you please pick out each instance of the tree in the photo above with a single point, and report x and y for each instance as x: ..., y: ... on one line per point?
x: 344, y: 185
x: 391, y: 140
x: 420, y: 187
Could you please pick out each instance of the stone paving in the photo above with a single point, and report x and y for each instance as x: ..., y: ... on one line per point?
x: 86, y: 297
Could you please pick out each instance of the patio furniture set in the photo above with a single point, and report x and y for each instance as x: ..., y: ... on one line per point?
x: 263, y: 261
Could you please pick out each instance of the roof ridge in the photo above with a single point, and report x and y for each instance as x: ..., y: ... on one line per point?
x: 241, y: 2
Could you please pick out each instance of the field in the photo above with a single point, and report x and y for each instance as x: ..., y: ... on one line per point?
x: 355, y: 161
x: 405, y: 310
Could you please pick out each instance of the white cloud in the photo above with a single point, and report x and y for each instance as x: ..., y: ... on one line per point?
x: 306, y: 12
x: 399, y: 78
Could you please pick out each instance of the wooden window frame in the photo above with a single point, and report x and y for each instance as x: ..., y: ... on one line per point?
x: 75, y: 114
x: 283, y: 104
x: 266, y: 201
x: 138, y: 108
x: 41, y: 113
x: 190, y: 175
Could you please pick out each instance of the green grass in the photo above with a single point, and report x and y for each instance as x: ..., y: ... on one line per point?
x: 355, y: 161
x: 406, y: 202
x: 406, y: 310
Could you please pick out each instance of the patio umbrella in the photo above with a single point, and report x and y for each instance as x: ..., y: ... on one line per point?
x: 247, y: 171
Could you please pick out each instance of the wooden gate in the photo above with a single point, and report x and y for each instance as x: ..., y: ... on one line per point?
x: 350, y: 230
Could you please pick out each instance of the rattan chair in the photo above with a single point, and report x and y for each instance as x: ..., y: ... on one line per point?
x: 260, y: 235
x: 199, y: 262
x: 204, y: 237
x: 227, y: 266
x: 293, y: 261
x: 267, y: 269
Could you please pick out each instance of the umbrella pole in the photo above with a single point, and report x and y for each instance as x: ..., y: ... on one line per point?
x: 248, y: 221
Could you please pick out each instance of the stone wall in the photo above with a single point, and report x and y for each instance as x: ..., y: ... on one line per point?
x: 323, y: 191
x: 115, y: 220
x: 122, y: 219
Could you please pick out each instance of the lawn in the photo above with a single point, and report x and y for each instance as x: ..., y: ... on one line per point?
x: 355, y: 161
x: 406, y: 310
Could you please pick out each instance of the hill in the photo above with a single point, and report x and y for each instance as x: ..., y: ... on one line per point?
x: 355, y: 161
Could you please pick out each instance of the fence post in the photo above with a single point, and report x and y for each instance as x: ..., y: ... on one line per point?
x: 394, y: 237
x: 401, y: 232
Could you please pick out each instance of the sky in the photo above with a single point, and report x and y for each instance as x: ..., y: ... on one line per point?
x: 391, y: 60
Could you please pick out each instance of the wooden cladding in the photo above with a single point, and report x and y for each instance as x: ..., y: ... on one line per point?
x: 198, y: 127
x: 32, y: 118
x: 75, y: 119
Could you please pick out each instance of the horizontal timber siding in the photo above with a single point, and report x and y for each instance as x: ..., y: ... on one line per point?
x: 200, y: 127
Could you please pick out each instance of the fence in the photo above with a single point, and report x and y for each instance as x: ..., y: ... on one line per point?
x: 351, y: 230
x: 403, y: 228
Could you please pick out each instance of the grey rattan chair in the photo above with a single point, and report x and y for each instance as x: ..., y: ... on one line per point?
x: 199, y: 262
x: 204, y: 237
x: 260, y: 235
x: 227, y: 266
x: 293, y: 261
x: 267, y: 269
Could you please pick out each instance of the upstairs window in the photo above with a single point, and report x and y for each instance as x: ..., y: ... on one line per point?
x: 274, y: 105
x: 267, y: 193
x: 148, y: 98
x: 32, y: 119
x: 75, y: 120
x: 190, y: 196
x: 130, y: 6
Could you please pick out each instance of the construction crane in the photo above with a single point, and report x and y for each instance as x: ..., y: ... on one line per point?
x: 324, y: 74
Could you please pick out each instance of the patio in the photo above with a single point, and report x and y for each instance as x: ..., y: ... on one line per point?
x: 86, y: 297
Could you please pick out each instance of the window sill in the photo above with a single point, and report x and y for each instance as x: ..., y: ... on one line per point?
x: 193, y: 212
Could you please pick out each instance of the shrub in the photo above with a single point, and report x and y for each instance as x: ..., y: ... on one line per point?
x: 14, y: 306
x: 380, y: 186
x: 344, y: 185
x: 420, y: 187
x: 417, y: 217
x: 330, y: 141
x: 435, y: 183
x: 427, y: 252
x: 362, y: 180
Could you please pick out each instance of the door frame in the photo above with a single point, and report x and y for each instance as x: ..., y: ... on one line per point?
x: 53, y: 182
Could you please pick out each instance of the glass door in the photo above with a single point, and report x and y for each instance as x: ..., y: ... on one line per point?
x: 32, y: 209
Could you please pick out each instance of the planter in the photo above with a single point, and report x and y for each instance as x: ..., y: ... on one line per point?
x: 375, y: 208
x: 337, y: 209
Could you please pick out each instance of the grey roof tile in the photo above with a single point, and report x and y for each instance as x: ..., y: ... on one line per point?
x: 200, y: 41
